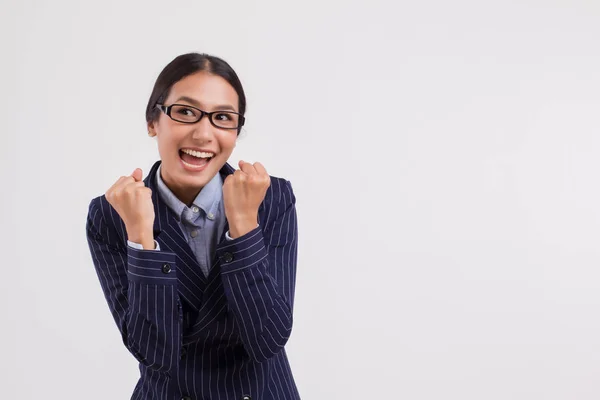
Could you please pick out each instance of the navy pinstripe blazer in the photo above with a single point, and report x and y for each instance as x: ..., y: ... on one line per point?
x: 197, y: 337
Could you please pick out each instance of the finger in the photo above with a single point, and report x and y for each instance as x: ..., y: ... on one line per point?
x: 123, y: 182
x: 126, y: 184
x: 117, y: 185
x: 137, y: 174
x: 134, y: 186
x: 145, y: 191
x: 240, y: 175
x: 247, y: 167
x: 260, y: 169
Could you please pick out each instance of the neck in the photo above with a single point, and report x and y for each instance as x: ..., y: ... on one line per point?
x: 185, y: 194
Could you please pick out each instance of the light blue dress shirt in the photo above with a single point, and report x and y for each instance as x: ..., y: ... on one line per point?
x: 201, y: 224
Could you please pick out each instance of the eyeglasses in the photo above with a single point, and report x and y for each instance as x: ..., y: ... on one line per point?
x: 191, y: 115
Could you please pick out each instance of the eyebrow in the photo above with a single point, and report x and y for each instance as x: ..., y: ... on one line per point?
x: 220, y: 107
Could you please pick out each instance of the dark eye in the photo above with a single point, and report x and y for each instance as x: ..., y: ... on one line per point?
x: 223, y: 117
x: 188, y: 112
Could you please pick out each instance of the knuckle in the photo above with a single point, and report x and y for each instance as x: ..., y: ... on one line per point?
x: 132, y: 186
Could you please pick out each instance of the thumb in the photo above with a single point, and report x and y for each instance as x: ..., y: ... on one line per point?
x: 137, y: 174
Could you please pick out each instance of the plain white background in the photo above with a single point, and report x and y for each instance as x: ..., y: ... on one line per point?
x: 444, y: 156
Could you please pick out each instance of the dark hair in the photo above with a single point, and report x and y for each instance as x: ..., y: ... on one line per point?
x: 187, y: 64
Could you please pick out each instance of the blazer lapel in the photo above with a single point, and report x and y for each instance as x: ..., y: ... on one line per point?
x: 190, y: 279
x: 225, y: 172
x: 216, y: 265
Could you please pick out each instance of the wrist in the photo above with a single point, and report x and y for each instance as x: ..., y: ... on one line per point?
x: 240, y: 227
x: 146, y: 239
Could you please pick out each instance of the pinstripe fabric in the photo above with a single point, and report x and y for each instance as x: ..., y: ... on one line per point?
x: 220, y: 336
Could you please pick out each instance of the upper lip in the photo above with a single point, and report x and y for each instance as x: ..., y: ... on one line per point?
x: 198, y: 149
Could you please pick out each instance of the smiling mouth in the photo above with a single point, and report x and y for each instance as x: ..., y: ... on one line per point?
x: 195, y: 159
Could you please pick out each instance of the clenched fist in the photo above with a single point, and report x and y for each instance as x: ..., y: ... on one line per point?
x: 243, y: 192
x: 133, y: 202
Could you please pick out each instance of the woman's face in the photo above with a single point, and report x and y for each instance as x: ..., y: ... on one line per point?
x: 208, y: 93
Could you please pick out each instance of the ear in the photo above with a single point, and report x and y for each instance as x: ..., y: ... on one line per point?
x: 151, y: 130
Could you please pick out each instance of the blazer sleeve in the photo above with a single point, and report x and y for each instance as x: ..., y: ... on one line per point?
x: 140, y: 289
x: 258, y: 271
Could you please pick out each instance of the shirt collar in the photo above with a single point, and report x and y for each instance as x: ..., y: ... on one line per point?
x: 207, y: 200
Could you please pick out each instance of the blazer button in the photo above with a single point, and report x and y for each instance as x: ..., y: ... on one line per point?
x: 228, y: 257
x: 166, y: 268
x: 186, y: 398
x: 246, y: 397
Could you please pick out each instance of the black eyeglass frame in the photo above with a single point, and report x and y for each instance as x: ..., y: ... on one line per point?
x: 167, y: 111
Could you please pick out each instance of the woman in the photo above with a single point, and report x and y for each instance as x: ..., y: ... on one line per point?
x: 198, y: 261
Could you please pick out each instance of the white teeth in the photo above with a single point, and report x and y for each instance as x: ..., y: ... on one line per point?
x: 196, y: 166
x: 198, y: 154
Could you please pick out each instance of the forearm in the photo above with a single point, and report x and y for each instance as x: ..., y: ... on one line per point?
x: 254, y: 297
x: 154, y: 317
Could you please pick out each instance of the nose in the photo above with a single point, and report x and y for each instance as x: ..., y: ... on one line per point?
x: 203, y: 129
